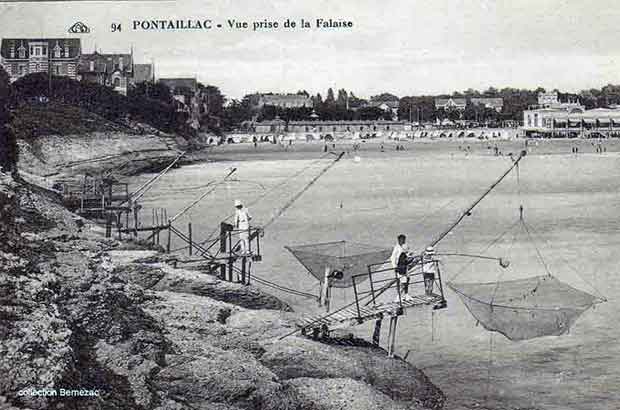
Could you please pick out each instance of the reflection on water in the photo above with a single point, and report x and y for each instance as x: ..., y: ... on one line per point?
x: 572, y: 202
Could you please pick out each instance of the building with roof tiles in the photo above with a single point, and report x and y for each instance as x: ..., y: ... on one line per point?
x: 112, y: 70
x: 22, y: 56
x: 450, y: 104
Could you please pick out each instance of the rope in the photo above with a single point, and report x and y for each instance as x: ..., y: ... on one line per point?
x: 300, y: 193
x: 215, y: 232
x: 567, y: 263
x: 493, y: 242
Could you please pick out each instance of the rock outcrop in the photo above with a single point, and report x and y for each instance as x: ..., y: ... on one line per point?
x: 78, y: 311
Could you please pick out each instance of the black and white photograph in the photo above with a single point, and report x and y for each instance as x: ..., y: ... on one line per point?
x: 309, y: 205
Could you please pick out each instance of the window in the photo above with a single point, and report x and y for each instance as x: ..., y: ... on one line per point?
x: 22, y: 53
x: 57, y: 51
x: 44, y: 50
x: 21, y: 69
x: 12, y: 52
x: 92, y: 66
x: 535, y: 120
x: 31, y: 50
x: 66, y: 51
x: 348, y: 128
x: 334, y: 129
x: 57, y: 69
x: 117, y: 82
x: 362, y: 128
x: 387, y: 127
x: 529, y: 120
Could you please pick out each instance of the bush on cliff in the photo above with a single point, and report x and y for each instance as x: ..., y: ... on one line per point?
x: 8, y: 147
x: 104, y: 101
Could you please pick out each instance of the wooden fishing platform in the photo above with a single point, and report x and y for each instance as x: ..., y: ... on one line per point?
x: 350, y: 316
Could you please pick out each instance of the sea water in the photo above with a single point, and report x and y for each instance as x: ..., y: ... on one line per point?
x: 571, y: 201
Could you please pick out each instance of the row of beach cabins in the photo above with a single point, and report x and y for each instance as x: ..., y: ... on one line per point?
x: 432, y: 134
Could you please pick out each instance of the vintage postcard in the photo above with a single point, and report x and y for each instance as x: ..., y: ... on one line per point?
x: 309, y: 205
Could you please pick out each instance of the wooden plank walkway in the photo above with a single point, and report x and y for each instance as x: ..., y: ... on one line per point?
x: 348, y: 316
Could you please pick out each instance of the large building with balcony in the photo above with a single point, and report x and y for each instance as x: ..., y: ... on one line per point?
x: 571, y: 122
x: 22, y: 56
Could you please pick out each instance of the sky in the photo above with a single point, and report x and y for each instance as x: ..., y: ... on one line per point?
x: 405, y: 47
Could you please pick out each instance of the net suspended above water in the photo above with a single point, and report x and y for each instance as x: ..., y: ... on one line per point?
x: 525, y: 308
x: 350, y: 258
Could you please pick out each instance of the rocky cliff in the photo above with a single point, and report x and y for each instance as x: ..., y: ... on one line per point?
x: 80, y: 312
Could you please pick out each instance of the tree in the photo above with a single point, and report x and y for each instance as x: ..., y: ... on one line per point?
x: 384, y: 97
x: 343, y: 98
x: 8, y: 145
x: 330, y: 97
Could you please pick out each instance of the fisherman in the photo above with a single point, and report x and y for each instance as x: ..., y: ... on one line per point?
x: 242, y: 225
x: 399, y: 261
x: 428, y: 269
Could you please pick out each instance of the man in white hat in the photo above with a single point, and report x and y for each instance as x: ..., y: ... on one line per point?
x: 242, y: 224
x: 428, y: 269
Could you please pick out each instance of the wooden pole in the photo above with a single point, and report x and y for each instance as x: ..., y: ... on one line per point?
x: 135, y: 218
x: 376, y: 335
x: 392, y: 335
x: 243, y: 267
x: 157, y: 217
x: 169, y: 235
x: 189, y: 235
x: 223, y: 228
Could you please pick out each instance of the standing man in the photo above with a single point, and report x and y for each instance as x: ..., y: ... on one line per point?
x: 399, y: 261
x: 242, y: 225
x: 428, y: 269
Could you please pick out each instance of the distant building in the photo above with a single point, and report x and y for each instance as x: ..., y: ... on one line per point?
x: 143, y: 73
x: 552, y: 100
x: 448, y: 104
x: 459, y: 104
x: 571, y: 122
x: 112, y: 70
x: 546, y: 100
x: 188, y: 97
x: 494, y: 103
x: 284, y: 100
x: 22, y: 56
x: 390, y: 107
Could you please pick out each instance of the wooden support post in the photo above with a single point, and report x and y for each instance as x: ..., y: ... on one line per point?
x: 153, y: 223
x: 135, y: 218
x: 118, y: 224
x: 392, y: 335
x: 169, y: 236
x: 157, y: 223
x: 231, y: 263
x: 376, y: 335
x: 189, y: 235
x: 108, y: 225
x: 223, y: 248
x: 243, y: 267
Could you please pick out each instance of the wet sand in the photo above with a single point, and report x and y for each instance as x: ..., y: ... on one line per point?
x: 573, y: 201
